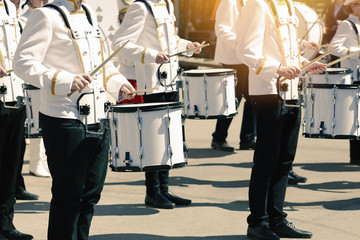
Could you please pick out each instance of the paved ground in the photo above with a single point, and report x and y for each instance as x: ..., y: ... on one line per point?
x: 328, y: 204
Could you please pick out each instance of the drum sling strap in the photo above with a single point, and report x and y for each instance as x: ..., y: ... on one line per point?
x: 63, y: 15
x: 149, y: 7
x: 333, y: 57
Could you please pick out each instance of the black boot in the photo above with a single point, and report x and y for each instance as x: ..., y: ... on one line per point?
x: 158, y: 201
x: 177, y: 200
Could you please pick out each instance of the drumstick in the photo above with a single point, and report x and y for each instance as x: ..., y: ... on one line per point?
x: 103, y: 63
x: 144, y: 90
x: 311, y: 62
x: 192, y: 49
x: 303, y: 38
x: 342, y: 58
x: 327, y: 45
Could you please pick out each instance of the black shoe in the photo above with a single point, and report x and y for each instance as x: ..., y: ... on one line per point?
x: 16, y: 235
x: 299, y: 178
x: 25, y: 195
x: 177, y: 200
x: 287, y: 230
x: 158, y: 201
x: 247, y: 146
x: 2, y: 237
x: 262, y: 232
x: 292, y: 180
x: 222, y: 146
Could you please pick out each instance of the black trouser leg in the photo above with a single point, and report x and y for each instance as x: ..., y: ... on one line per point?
x: 78, y: 162
x: 277, y: 135
x: 12, y: 135
x: 20, y: 183
x: 355, y: 151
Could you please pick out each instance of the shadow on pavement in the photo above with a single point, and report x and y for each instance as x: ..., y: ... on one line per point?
x: 185, y: 182
x: 157, y: 237
x: 207, y: 153
x: 329, y: 167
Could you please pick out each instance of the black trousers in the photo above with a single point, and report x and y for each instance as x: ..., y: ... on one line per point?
x: 11, y: 137
x: 158, y: 181
x: 277, y: 136
x: 78, y: 163
x: 248, y: 126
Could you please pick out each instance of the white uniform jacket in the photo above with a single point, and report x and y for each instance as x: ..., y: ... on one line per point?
x: 348, y: 42
x: 227, y: 16
x: 9, y: 39
x: 259, y: 45
x: 24, y: 17
x: 49, y: 58
x: 148, y: 35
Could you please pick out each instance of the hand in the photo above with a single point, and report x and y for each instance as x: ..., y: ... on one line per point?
x: 80, y: 82
x: 126, y: 91
x: 289, y: 72
x: 3, y: 72
x: 310, y: 45
x: 161, y: 57
x: 316, y: 68
x: 194, y: 45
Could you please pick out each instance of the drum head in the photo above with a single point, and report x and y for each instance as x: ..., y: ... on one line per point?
x: 208, y: 72
x: 337, y: 71
x: 145, y: 107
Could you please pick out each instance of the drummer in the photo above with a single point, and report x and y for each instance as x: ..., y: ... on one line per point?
x: 347, y: 38
x: 53, y: 59
x: 150, y: 28
x: 38, y: 165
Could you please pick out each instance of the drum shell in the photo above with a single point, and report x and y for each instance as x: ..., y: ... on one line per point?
x: 32, y: 106
x: 330, y: 76
x: 331, y: 111
x: 209, y: 93
x: 146, y: 142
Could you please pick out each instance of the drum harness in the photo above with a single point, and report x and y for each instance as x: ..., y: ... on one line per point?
x: 162, y: 75
x: 101, y: 125
x: 284, y: 87
x: 8, y: 25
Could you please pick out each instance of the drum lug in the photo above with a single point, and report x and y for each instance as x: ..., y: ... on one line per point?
x: 116, y: 152
x: 322, y: 128
x: 333, y: 123
x: 141, y: 153
x: 170, y: 151
x: 127, y: 160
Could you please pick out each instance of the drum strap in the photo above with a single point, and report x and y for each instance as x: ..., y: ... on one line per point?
x: 355, y: 29
x: 63, y: 14
x: 149, y: 7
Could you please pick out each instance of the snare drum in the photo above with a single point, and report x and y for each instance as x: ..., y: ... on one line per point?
x: 331, y: 111
x: 146, y: 136
x: 330, y: 76
x: 32, y: 105
x: 209, y: 93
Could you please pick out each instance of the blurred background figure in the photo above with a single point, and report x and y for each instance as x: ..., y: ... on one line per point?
x: 334, y: 16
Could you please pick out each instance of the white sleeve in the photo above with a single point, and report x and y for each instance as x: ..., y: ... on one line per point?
x: 251, y: 33
x: 345, y: 32
x: 130, y: 30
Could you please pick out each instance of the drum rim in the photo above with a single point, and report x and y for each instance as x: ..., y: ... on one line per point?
x: 339, y: 71
x: 200, y: 72
x: 29, y: 87
x: 330, y: 86
x: 134, y: 107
